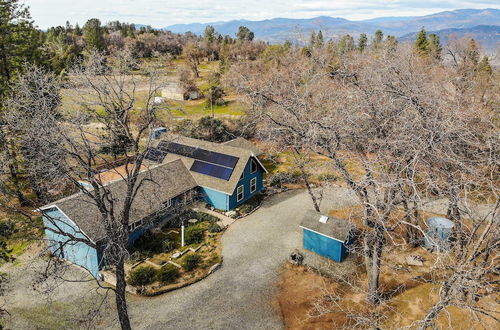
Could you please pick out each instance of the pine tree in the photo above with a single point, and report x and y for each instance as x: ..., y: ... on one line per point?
x: 362, y: 42
x: 484, y: 66
x: 421, y: 43
x: 319, y: 39
x: 377, y: 39
x: 93, y: 35
x: 434, y: 46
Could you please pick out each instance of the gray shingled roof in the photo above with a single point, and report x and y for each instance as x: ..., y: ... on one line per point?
x: 160, y: 183
x: 335, y: 228
x: 244, y: 144
x: 225, y: 186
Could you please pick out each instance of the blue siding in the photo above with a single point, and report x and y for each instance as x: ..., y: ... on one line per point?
x: 246, y: 184
x: 215, y: 198
x: 78, y: 253
x: 324, y: 246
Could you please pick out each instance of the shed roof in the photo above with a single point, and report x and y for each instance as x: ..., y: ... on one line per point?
x: 159, y: 184
x: 334, y: 228
x: 225, y: 186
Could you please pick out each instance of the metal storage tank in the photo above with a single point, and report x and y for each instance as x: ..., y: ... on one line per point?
x: 439, y: 231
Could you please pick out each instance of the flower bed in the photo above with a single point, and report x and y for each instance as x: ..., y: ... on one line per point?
x: 159, y: 264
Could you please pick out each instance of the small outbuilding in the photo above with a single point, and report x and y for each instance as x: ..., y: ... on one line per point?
x: 438, y: 234
x: 326, y: 236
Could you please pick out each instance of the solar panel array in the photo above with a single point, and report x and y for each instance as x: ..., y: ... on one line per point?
x: 207, y: 162
x: 155, y: 155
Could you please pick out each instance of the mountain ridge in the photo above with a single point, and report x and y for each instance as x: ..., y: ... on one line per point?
x: 280, y: 29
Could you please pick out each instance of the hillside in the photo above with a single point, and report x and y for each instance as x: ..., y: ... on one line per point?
x: 487, y: 35
x: 280, y: 29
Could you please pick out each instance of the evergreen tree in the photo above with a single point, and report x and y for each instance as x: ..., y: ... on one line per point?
x: 244, y: 34
x: 93, y: 35
x: 19, y: 42
x: 319, y: 39
x: 391, y: 43
x: 209, y: 34
x: 434, y: 46
x: 312, y: 40
x: 484, y: 66
x: 377, y: 39
x: 472, y: 54
x: 346, y: 44
x: 421, y: 43
x: 362, y: 42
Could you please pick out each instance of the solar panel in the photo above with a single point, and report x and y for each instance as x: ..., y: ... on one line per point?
x: 155, y: 155
x: 199, y: 154
x: 212, y: 170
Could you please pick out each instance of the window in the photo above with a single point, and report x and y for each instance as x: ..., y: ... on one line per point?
x: 168, y: 204
x: 253, y: 166
x: 253, y: 185
x: 239, y: 193
x: 134, y: 225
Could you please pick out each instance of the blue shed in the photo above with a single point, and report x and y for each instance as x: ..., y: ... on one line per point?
x: 438, y: 234
x: 326, y: 236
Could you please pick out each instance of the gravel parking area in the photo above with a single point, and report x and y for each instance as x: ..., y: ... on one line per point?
x: 240, y: 294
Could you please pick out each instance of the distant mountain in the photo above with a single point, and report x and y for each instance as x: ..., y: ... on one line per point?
x: 487, y: 35
x: 281, y: 29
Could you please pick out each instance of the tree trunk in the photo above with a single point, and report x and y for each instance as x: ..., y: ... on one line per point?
x: 310, y: 191
x: 120, y: 295
x: 373, y: 245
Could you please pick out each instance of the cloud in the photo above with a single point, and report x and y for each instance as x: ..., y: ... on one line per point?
x: 160, y: 13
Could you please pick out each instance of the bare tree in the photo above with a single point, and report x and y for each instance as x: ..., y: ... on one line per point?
x: 390, y: 113
x: 70, y: 147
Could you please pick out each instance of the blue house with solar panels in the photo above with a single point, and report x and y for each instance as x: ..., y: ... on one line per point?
x: 227, y: 174
x: 175, y: 172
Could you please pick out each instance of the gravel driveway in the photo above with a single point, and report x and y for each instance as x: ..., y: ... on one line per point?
x: 240, y: 294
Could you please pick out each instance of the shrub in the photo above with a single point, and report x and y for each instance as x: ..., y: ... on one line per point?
x: 280, y: 178
x: 328, y: 177
x: 142, y: 276
x: 168, y: 274
x: 214, y: 228
x: 194, y: 235
x: 191, y: 262
x: 167, y: 245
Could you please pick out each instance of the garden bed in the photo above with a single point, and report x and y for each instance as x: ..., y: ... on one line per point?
x: 160, y: 264
x: 247, y: 208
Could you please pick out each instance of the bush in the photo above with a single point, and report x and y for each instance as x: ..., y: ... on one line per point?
x: 328, y: 177
x: 214, y: 228
x: 194, y: 235
x: 168, y: 274
x: 142, y: 276
x: 191, y: 262
x: 280, y: 178
x: 167, y: 245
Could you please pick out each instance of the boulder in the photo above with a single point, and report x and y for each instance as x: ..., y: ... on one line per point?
x: 296, y: 258
x: 414, y: 260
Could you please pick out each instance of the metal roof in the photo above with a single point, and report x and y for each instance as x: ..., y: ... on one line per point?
x: 334, y: 228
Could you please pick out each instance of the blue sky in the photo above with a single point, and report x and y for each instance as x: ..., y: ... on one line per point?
x: 161, y: 13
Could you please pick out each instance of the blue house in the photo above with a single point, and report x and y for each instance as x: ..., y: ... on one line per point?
x: 175, y: 173
x: 326, y: 236
x: 228, y: 173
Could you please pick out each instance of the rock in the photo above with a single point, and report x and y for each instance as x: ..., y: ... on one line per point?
x: 158, y: 100
x: 231, y: 214
x: 193, y: 221
x: 414, y: 260
x: 296, y: 258
x: 176, y: 255
x: 214, y: 268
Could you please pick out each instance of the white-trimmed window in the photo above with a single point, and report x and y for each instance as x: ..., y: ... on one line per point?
x: 253, y: 166
x: 253, y: 185
x: 240, y: 193
x: 168, y: 204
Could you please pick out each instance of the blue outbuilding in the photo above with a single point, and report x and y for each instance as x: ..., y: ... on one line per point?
x: 326, y: 236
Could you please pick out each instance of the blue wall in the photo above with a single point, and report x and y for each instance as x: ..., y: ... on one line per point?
x: 226, y: 202
x: 324, y: 246
x: 215, y: 198
x: 77, y: 252
x: 246, y: 183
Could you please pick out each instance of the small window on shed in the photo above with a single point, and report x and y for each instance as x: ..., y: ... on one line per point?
x: 253, y: 166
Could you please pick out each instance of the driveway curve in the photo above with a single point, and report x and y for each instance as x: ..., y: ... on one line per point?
x: 240, y: 294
